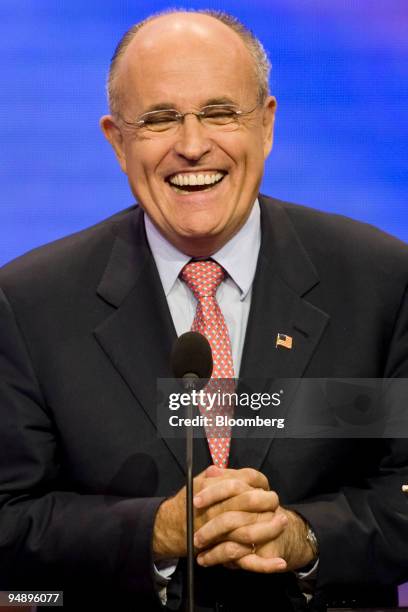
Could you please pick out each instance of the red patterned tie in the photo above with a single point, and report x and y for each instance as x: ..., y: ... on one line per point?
x: 203, y: 278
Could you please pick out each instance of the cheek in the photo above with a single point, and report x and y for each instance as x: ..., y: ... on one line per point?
x: 258, y: 155
x: 143, y: 159
x: 245, y: 149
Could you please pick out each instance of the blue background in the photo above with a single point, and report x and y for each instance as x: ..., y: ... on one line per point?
x: 339, y: 73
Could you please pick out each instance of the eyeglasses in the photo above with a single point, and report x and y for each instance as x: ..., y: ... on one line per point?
x: 219, y: 116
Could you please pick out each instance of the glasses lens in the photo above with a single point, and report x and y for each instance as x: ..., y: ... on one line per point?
x: 160, y: 121
x: 219, y: 115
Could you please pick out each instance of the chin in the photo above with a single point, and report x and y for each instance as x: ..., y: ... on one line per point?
x: 200, y: 244
x: 199, y: 226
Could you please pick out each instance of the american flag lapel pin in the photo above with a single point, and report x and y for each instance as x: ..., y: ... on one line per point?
x: 284, y: 340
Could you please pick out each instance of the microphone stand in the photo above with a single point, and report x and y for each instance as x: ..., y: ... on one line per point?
x: 189, y: 382
x: 192, y: 363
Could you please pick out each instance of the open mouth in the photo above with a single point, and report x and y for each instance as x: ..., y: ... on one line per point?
x: 200, y: 181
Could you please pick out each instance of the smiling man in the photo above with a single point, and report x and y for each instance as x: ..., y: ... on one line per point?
x: 91, y: 497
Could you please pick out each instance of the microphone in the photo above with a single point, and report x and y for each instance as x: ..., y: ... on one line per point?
x: 191, y: 360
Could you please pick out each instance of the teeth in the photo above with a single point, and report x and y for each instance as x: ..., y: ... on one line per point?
x: 195, y: 179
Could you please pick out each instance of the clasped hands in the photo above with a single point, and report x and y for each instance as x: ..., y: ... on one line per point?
x: 238, y: 523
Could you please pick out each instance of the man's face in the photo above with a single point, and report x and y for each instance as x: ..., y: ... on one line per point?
x: 186, y: 62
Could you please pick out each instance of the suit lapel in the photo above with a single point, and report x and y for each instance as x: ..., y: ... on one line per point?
x: 284, y: 276
x: 139, y: 335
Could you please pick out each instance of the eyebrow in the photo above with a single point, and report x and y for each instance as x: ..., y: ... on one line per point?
x: 160, y: 106
x: 168, y: 106
x: 223, y: 100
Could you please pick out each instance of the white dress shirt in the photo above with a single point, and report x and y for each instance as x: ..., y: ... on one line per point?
x: 238, y: 258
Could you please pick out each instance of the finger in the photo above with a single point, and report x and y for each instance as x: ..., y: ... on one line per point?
x: 233, y: 555
x: 242, y: 527
x: 249, y: 475
x: 237, y: 495
x: 212, y: 531
x: 218, y: 491
x: 254, y: 478
x: 213, y: 471
x: 254, y: 563
x: 268, y: 527
x: 208, y: 477
x: 200, y: 481
x: 223, y: 553
x: 254, y: 500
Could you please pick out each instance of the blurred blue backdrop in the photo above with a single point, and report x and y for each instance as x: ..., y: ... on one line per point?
x: 340, y: 73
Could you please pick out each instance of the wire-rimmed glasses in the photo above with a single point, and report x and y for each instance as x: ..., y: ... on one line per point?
x: 219, y: 116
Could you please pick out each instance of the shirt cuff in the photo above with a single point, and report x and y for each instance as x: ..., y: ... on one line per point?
x: 308, y: 573
x: 163, y: 571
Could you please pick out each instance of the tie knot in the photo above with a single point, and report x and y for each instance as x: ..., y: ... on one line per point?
x: 203, y: 277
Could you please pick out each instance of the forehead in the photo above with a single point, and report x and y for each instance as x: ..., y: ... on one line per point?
x: 186, y: 59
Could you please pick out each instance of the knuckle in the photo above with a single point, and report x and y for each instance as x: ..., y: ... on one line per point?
x: 232, y: 550
x: 230, y: 520
x: 250, y: 474
x: 265, y: 483
x: 269, y: 501
x: 255, y: 499
x: 255, y: 478
x: 234, y: 487
x: 274, y: 498
x: 262, y: 496
x: 210, y: 513
x: 246, y: 535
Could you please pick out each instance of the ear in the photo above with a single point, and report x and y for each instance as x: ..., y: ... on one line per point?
x: 113, y: 134
x: 268, y: 123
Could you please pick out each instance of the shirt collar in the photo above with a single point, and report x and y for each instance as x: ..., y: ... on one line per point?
x: 238, y: 257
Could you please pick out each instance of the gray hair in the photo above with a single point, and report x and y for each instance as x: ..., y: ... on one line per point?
x: 261, y: 62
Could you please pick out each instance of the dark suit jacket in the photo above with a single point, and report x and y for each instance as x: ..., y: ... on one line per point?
x: 85, y: 331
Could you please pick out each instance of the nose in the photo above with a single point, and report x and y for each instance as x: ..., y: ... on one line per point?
x: 192, y: 139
